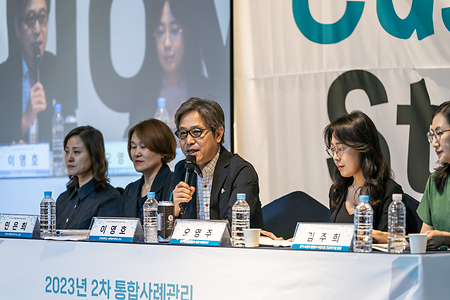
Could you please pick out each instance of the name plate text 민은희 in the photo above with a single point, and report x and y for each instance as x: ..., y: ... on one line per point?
x: 19, y: 225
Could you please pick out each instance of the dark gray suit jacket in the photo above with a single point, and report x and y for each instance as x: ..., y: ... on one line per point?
x: 232, y: 175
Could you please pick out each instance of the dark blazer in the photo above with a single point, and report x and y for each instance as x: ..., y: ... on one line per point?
x: 380, y: 211
x: 162, y: 186
x: 75, y: 209
x: 232, y: 175
x: 11, y: 98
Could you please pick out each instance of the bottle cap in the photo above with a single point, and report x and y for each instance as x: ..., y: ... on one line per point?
x: 364, y: 198
x: 58, y: 107
x: 47, y: 193
x: 161, y: 101
x: 151, y: 195
x: 240, y: 196
x: 397, y: 197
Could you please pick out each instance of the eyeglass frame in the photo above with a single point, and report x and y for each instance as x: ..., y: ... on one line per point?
x: 190, y: 133
x: 338, y: 152
x: 176, y: 34
x: 431, y: 135
x: 36, y: 18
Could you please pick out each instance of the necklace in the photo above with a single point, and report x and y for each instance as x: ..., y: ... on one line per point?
x: 356, y: 193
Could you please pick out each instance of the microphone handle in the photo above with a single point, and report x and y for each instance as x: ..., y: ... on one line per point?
x: 183, y: 206
x: 187, y: 179
x: 38, y: 74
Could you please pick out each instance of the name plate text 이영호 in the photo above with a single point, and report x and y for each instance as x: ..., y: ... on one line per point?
x: 115, y: 230
x: 19, y: 225
x: 323, y: 236
x: 200, y: 232
x: 25, y: 160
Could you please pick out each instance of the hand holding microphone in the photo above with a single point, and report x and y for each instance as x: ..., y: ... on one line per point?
x: 183, y: 191
x: 37, y: 60
x: 190, y: 167
x: 37, y: 101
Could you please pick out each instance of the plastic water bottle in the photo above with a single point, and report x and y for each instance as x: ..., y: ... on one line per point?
x: 240, y: 221
x: 58, y: 142
x: 48, y: 215
x: 362, y: 241
x: 161, y: 113
x: 396, y: 225
x: 150, y: 219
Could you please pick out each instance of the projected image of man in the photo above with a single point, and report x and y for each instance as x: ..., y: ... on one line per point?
x: 27, y: 109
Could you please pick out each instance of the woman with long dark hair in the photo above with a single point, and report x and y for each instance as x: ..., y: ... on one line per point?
x: 178, y: 71
x: 435, y: 205
x: 353, y: 143
x: 88, y: 192
x: 151, y: 146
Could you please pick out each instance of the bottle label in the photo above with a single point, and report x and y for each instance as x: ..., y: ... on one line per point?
x: 18, y: 225
x: 114, y: 229
x: 200, y: 232
x: 323, y: 236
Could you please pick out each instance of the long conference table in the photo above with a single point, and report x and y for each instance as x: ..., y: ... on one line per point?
x: 42, y: 269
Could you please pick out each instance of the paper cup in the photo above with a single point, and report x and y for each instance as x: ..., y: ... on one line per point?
x: 251, y: 237
x: 418, y: 242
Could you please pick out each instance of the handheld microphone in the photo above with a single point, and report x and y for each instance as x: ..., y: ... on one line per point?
x: 37, y: 59
x: 189, y: 165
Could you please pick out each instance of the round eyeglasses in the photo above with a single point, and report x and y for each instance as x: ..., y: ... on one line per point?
x: 339, y: 151
x: 31, y: 20
x: 173, y: 33
x: 194, y: 132
x: 435, y: 134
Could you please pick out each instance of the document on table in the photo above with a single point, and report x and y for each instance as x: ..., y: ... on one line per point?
x: 384, y: 247
x: 69, y: 235
x: 265, y: 241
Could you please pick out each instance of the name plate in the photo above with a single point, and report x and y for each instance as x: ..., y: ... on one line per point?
x: 115, y: 230
x: 118, y: 160
x: 323, y: 236
x: 19, y: 226
x: 25, y: 160
x: 200, y: 232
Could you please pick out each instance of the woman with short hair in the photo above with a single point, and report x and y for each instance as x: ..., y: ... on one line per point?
x: 151, y: 146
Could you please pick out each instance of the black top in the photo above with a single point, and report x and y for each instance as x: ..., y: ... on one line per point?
x: 380, y: 211
x: 343, y: 216
x: 232, y: 175
x: 132, y: 201
x: 75, y: 209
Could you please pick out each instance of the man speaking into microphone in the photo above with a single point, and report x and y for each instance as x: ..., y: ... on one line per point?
x: 219, y: 175
x: 28, y: 77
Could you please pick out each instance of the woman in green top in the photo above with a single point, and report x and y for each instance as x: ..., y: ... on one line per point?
x: 434, y: 209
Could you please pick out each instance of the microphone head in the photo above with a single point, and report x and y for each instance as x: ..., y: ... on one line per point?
x: 37, y: 55
x: 191, y: 162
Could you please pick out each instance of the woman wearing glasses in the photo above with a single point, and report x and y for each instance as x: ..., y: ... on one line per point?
x: 177, y: 70
x: 151, y: 145
x: 353, y: 143
x: 435, y: 205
